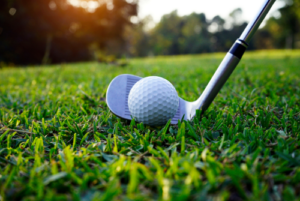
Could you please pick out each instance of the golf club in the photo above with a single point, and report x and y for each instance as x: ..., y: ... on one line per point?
x: 119, y: 88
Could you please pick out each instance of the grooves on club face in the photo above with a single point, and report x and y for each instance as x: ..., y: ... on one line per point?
x: 117, y: 97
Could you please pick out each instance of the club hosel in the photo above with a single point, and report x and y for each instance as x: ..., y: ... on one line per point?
x: 222, y: 74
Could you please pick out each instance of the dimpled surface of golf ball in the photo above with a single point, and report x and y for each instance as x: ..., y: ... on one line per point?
x: 153, y: 101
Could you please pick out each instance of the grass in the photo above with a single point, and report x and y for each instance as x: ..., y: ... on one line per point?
x: 59, y: 141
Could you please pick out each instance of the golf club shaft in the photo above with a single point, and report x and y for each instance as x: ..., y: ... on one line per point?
x: 232, y: 59
x: 254, y: 25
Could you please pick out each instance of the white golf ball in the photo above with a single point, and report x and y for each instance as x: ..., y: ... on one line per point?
x: 153, y: 101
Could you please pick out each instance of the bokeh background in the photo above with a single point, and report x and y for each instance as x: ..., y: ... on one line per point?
x: 56, y: 31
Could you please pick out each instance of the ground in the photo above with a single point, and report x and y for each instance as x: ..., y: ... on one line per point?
x: 59, y: 141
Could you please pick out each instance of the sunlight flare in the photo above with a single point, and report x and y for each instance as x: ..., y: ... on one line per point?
x: 90, y: 5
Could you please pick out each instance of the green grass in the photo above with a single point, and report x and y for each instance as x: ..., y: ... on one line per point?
x: 58, y: 140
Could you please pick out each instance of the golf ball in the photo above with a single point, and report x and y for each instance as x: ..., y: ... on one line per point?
x: 153, y: 101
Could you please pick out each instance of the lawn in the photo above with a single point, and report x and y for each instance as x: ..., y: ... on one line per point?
x: 59, y: 141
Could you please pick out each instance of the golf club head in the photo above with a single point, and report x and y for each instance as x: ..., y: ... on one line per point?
x: 117, y: 98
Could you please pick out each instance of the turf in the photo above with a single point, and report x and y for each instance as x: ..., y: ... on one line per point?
x: 58, y: 140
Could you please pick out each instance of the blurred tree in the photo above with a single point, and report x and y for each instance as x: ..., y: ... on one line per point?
x: 263, y: 40
x: 183, y: 35
x: 296, y: 7
x: 166, y: 36
x: 219, y: 22
x: 53, y: 30
x: 195, y: 36
x: 224, y: 38
x: 283, y: 31
x: 180, y: 35
x: 289, y: 23
x: 236, y: 16
x: 138, y: 38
